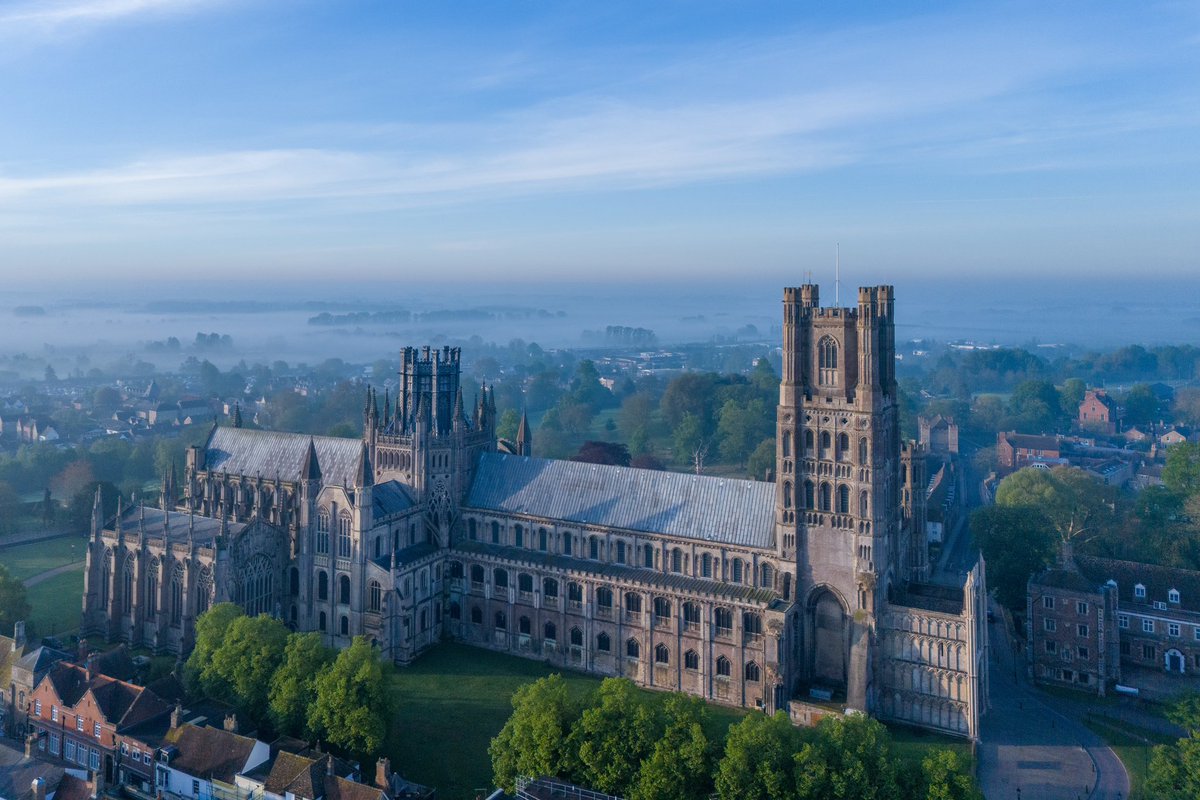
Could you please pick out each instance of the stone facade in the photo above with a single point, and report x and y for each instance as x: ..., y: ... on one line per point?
x: 742, y: 592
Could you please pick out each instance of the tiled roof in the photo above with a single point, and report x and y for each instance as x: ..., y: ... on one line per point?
x: 210, y: 753
x: 391, y: 497
x: 341, y: 789
x: 175, y: 524
x: 242, y: 451
x: 737, y: 512
x: 122, y: 704
x: 652, y: 578
x: 42, y: 659
x: 1066, y: 579
x: 1159, y: 581
x: 295, y: 774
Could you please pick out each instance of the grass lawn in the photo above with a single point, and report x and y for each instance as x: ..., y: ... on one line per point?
x: 454, y: 699
x: 56, y: 603
x: 1132, y: 744
x: 913, y: 744
x: 26, y: 560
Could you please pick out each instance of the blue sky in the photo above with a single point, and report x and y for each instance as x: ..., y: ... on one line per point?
x: 231, y: 138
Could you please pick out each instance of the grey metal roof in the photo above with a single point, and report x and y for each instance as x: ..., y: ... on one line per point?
x: 243, y: 451
x: 668, y: 581
x: 175, y: 524
x: 391, y: 497
x: 723, y: 510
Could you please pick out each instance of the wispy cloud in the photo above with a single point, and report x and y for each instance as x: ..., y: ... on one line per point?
x: 51, y: 13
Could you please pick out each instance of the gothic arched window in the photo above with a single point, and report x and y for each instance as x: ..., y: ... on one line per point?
x: 768, y: 577
x: 323, y: 531
x: 632, y: 648
x: 662, y: 655
x: 550, y: 632
x: 322, y: 585
x: 152, y: 589
x: 375, y: 595
x: 603, y: 643
x: 723, y: 666
x: 106, y: 566
x: 177, y: 595
x: 256, y: 586
x: 863, y: 505
x: 808, y: 494
x: 344, y: 536
x: 523, y: 626
x: 691, y: 660
x: 550, y: 587
x: 204, y: 590
x: 676, y: 560
x: 127, y: 585
x: 826, y: 497
x: 604, y: 597
x: 843, y: 499
x: 862, y: 451
x: 843, y: 453
x: 501, y: 621
x: 706, y: 565
x: 576, y: 637
x: 787, y: 444
x: 827, y: 361
x: 787, y: 494
x: 752, y: 672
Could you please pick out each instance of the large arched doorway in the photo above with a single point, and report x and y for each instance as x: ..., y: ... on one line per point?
x: 829, y: 624
x: 1174, y: 661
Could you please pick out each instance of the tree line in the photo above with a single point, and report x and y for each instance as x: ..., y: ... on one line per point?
x: 621, y: 742
x: 290, y: 683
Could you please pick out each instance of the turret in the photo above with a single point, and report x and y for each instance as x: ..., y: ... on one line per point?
x: 524, y: 437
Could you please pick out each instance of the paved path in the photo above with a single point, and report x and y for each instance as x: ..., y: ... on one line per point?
x: 34, y: 580
x: 28, y: 537
x: 1031, y: 750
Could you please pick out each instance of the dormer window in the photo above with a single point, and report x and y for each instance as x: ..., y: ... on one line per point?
x: 1139, y: 591
x: 1173, y: 595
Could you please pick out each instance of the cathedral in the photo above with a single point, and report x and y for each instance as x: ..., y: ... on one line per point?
x: 809, y: 589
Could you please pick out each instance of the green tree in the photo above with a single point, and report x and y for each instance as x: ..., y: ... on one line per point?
x: 249, y: 655
x: 507, y: 424
x: 211, y: 627
x: 1070, y: 396
x: 762, y: 460
x: 587, y: 389
x: 1182, y: 471
x: 693, y: 393
x: 612, y: 737
x: 1175, y: 768
x: 758, y: 760
x: 1036, y: 406
x: 741, y: 427
x: 10, y: 507
x: 533, y: 740
x: 637, y: 411
x: 945, y: 778
x: 690, y: 443
x: 13, y: 603
x: 849, y: 758
x: 1077, y: 505
x: 352, y: 705
x: 680, y: 765
x: 294, y: 685
x: 1016, y: 542
x: 79, y: 506
x: 1142, y: 406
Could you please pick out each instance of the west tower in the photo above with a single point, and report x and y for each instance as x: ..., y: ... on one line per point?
x: 837, y: 502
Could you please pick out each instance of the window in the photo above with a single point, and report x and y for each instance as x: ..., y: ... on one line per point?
x: 633, y: 602
x: 862, y: 451
x: 54, y: 744
x: 495, y: 532
x: 567, y: 544
x: 1051, y: 646
x: 518, y: 536
x: 737, y: 570
x: 752, y: 672
x: 344, y: 589
x: 322, y: 585
x: 322, y: 622
x: 476, y: 615
x: 1081, y: 630
x: 594, y: 548
x: 543, y: 539
x: 724, y: 620
x: 603, y: 643
x: 706, y: 565
x: 1050, y: 624
x: 1081, y: 607
x: 1126, y: 648
x: 809, y: 490
x: 604, y: 597
x: 344, y: 536
x: 94, y: 759
x: 523, y: 625
x: 79, y: 723
x: 826, y: 497
x: 195, y: 788
x: 376, y: 595
x: 662, y: 655
x: 808, y: 443
x: 751, y: 623
x: 843, y: 499
x: 632, y: 649
x: 323, y: 531
x: 69, y: 750
x: 550, y: 588
x: 620, y: 552
x: 471, y: 532
x: 550, y: 632
x: 525, y: 583
x: 500, y: 578
x: 146, y: 757
x: 1172, y: 629
x: 1047, y: 602
x: 37, y: 708
x: 676, y: 560
x: 1148, y: 626
x: 723, y: 667
x: 54, y: 713
x: 1149, y: 652
x: 1173, y: 596
x: 1139, y: 591
x: 96, y: 729
x: 843, y: 448
x: 501, y: 621
x: 648, y: 556
x: 575, y: 594
x: 1083, y: 652
x: 662, y: 608
x: 691, y: 660
x: 691, y: 615
x: 827, y: 361
x: 1123, y: 621
x: 455, y: 610
x: 345, y: 625
x: 576, y: 637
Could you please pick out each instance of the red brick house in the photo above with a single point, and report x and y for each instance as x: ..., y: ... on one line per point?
x: 1098, y: 412
x: 1016, y: 450
x: 82, y: 717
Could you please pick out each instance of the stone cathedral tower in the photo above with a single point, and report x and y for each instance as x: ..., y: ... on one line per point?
x: 837, y: 503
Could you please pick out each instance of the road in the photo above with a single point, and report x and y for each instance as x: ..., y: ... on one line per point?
x: 1030, y: 749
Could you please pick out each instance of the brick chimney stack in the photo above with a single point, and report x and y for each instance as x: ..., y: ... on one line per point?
x: 38, y: 787
x: 383, y: 773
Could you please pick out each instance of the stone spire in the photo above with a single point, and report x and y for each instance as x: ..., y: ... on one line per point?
x: 387, y: 406
x: 460, y: 417
x: 524, y: 437
x: 237, y: 415
x: 364, y: 475
x: 311, y: 469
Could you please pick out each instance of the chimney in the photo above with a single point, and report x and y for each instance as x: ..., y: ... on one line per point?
x: 83, y: 651
x: 231, y: 723
x: 383, y: 772
x: 38, y: 787
x: 31, y: 746
x: 176, y: 716
x: 18, y: 635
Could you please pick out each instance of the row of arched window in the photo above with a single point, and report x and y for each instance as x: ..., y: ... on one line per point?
x: 843, y: 452
x: 175, y: 588
x: 322, y: 542
x: 825, y: 498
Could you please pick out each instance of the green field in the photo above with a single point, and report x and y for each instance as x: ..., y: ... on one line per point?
x: 56, y: 603
x: 26, y: 560
x: 461, y: 696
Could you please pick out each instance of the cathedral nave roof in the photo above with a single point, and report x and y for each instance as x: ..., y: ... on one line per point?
x: 718, y: 510
x: 244, y: 451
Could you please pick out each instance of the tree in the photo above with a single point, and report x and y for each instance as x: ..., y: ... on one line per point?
x: 1182, y: 471
x: 507, y: 424
x: 211, y: 627
x: 945, y: 778
x: 1142, y: 406
x: 757, y: 764
x: 75, y: 477
x: 106, y: 397
x: 293, y: 687
x: 352, y: 705
x: 1070, y: 396
x: 250, y: 653
x: 691, y: 445
x: 691, y: 393
x: 680, y: 765
x: 10, y: 507
x: 79, y: 507
x: 612, y: 737
x: 533, y: 740
x: 1016, y: 542
x: 636, y: 412
x: 14, y: 606
x: 741, y: 427
x: 612, y: 453
x: 1077, y: 505
x: 1036, y: 406
x: 849, y: 758
x: 1175, y: 768
x: 762, y: 460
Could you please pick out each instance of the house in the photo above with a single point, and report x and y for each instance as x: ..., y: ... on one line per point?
x: 204, y: 763
x: 1016, y: 450
x: 1098, y: 412
x: 35, y: 429
x: 28, y: 668
x: 939, y: 435
x: 83, y: 716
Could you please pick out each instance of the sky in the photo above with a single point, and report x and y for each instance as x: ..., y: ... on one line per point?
x: 218, y: 140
